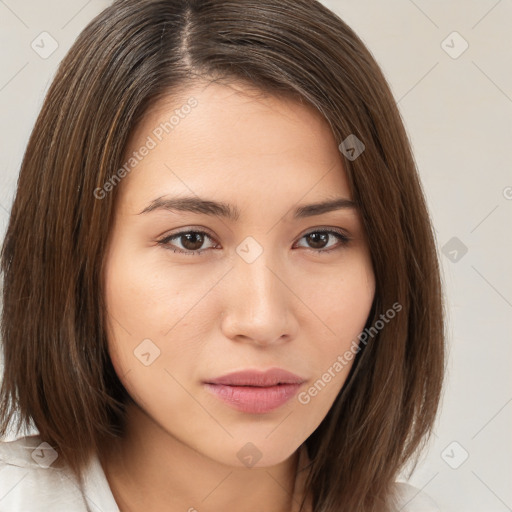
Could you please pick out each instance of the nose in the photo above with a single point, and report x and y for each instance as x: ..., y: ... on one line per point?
x: 258, y: 305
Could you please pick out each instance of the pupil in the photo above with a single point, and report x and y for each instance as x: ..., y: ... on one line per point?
x: 315, y: 237
x: 189, y: 242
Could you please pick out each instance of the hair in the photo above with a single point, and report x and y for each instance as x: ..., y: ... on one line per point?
x: 58, y: 375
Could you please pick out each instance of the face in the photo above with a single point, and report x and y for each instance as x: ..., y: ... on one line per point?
x: 196, y: 291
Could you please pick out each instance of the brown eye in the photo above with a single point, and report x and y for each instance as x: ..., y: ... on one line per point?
x: 318, y: 240
x: 191, y: 242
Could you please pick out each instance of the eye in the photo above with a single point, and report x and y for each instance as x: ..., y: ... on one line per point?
x: 191, y: 242
x: 319, y: 240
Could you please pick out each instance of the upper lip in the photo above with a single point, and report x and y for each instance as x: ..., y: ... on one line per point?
x: 258, y: 378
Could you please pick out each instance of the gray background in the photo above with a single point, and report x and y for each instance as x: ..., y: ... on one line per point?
x: 457, y: 107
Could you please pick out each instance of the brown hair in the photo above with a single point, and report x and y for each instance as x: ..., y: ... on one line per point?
x: 58, y: 374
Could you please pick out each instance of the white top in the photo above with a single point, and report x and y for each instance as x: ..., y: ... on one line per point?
x: 29, y: 483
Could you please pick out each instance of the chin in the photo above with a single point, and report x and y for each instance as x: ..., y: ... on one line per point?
x: 252, y: 454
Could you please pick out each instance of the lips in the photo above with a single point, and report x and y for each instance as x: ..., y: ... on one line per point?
x: 254, y: 391
x: 257, y: 378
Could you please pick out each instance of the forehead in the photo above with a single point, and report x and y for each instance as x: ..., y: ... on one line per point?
x: 234, y: 139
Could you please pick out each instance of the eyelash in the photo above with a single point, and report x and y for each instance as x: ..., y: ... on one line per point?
x: 344, y: 240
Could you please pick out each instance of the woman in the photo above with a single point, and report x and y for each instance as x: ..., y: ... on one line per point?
x: 221, y: 288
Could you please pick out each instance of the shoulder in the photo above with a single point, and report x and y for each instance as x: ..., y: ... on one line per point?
x: 410, y: 499
x: 30, y: 478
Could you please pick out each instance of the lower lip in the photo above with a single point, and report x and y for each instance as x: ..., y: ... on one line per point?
x: 251, y: 399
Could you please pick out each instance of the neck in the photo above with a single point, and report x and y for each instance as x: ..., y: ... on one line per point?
x: 149, y: 469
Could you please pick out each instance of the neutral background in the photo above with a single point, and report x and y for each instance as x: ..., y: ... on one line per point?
x: 455, y: 95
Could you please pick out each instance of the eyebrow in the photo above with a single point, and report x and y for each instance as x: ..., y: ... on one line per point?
x: 230, y: 212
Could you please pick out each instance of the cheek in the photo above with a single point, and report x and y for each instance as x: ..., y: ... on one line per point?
x: 343, y: 305
x: 153, y: 317
x: 343, y: 301
x: 149, y: 337
x: 347, y: 314
x: 144, y: 296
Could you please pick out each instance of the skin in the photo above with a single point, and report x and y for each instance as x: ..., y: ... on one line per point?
x: 213, y: 313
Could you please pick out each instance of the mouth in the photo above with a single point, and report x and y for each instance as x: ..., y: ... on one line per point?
x: 255, y: 392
